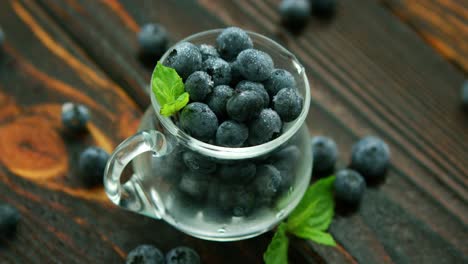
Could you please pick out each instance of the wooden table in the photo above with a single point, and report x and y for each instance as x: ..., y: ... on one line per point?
x: 392, y: 68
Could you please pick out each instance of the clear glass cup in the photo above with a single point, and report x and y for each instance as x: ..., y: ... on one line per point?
x: 212, y: 192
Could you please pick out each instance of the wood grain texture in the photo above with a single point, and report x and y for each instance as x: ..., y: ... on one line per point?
x: 442, y: 23
x: 370, y: 74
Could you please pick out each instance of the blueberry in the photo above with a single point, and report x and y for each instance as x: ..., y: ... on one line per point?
x: 75, y: 117
x: 194, y: 184
x: 349, y: 186
x: 237, y: 200
x: 2, y: 37
x: 255, y: 65
x: 208, y: 51
x: 278, y: 80
x: 218, y: 69
x: 153, y: 40
x: 288, y: 104
x: 198, y: 163
x: 239, y: 172
x: 182, y: 255
x: 464, y: 93
x: 286, y: 161
x: 245, y: 105
x: 9, y: 218
x: 231, y: 134
x: 198, y: 85
x: 324, y: 8
x: 185, y: 58
x: 91, y: 165
x: 267, y: 181
x: 236, y: 75
x: 265, y: 127
x: 325, y: 154
x: 294, y: 13
x: 145, y: 254
x: 218, y: 99
x: 256, y: 87
x: 370, y: 156
x: 199, y: 121
x: 232, y: 41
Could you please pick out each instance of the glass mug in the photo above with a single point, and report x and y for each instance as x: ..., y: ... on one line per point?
x: 212, y: 192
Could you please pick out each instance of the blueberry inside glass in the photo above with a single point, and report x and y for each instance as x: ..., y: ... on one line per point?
x: 243, y: 94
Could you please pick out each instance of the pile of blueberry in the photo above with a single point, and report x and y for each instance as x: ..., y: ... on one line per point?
x: 148, y: 254
x: 370, y: 158
x: 238, y: 98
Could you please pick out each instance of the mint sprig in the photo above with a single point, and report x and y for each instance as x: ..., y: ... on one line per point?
x: 169, y: 90
x: 309, y: 220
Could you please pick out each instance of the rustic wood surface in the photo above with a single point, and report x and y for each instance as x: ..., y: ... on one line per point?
x: 371, y: 73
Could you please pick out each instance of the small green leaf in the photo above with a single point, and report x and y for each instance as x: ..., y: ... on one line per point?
x: 315, y: 235
x: 315, y: 206
x: 169, y: 90
x: 174, y: 106
x: 277, y: 251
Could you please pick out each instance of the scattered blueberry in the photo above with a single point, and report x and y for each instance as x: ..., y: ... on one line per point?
x: 145, y: 254
x: 198, y: 163
x: 294, y: 13
x: 236, y: 75
x: 278, y: 80
x: 75, y: 117
x: 464, y: 93
x: 198, y: 85
x: 239, y: 172
x: 245, y: 105
x: 218, y: 69
x: 256, y: 87
x: 288, y: 104
x: 265, y: 127
x: 208, y: 51
x: 349, y: 186
x: 255, y: 65
x: 324, y: 8
x: 194, y: 184
x: 185, y: 58
x: 231, y: 134
x: 91, y: 165
x: 199, y: 121
x: 153, y: 40
x: 218, y: 99
x: 267, y: 181
x: 232, y: 41
x: 325, y: 153
x: 370, y: 157
x: 182, y: 255
x: 9, y: 218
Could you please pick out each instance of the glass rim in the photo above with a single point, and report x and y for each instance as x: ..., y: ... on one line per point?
x: 227, y: 152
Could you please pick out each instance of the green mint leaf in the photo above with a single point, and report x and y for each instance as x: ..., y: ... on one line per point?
x: 169, y: 90
x: 277, y: 251
x: 315, y: 235
x: 315, y: 207
x: 174, y: 106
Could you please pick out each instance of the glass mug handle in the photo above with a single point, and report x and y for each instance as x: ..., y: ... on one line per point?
x: 130, y: 195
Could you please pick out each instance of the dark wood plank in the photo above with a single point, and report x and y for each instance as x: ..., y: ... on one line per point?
x: 443, y: 24
x: 363, y: 49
